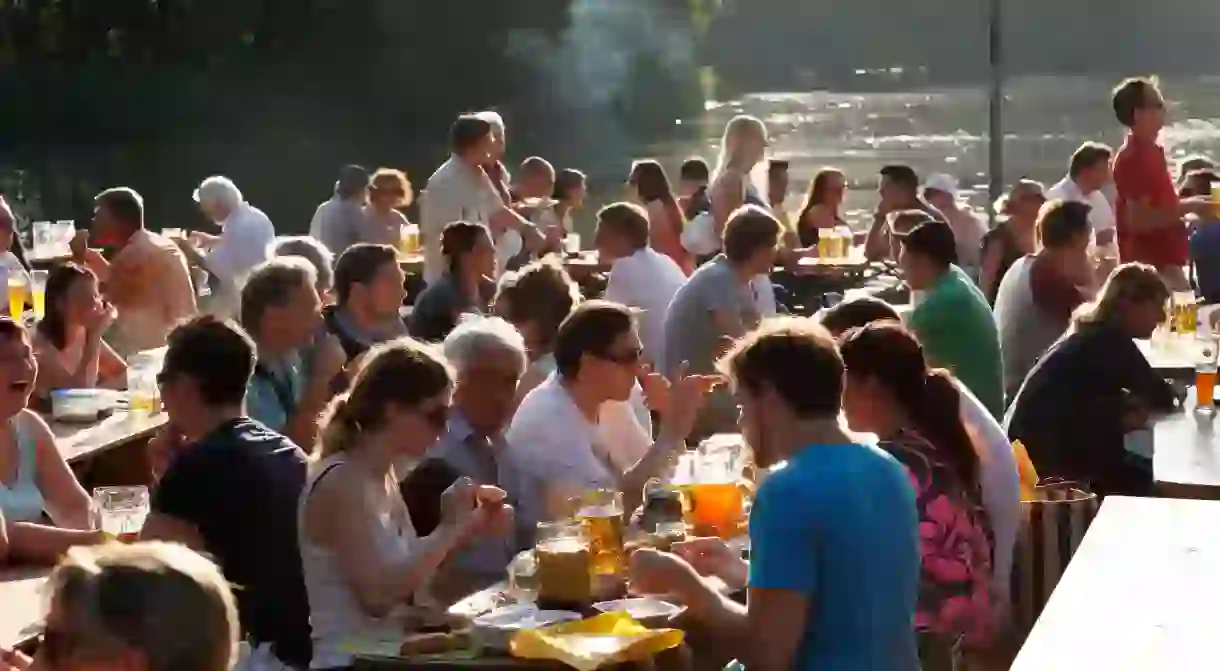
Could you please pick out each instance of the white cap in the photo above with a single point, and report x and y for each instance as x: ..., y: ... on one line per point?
x: 941, y: 182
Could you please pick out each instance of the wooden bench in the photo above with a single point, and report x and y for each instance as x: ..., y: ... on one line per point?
x: 1139, y: 593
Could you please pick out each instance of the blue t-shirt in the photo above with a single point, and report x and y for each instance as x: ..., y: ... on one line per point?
x: 838, y: 524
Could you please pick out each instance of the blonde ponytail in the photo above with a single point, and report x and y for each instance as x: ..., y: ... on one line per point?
x: 339, y: 432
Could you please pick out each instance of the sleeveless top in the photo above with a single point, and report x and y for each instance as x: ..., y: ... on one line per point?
x: 335, y: 613
x: 1001, y: 235
x: 21, y: 500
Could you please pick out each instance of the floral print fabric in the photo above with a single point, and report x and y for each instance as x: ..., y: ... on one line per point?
x: 955, y: 543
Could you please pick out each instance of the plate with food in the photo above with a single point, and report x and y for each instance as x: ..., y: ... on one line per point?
x: 648, y: 611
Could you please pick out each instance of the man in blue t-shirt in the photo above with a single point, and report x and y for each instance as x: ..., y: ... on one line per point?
x: 834, y: 575
x: 231, y: 486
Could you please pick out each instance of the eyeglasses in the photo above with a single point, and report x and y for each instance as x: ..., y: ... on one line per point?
x: 631, y: 357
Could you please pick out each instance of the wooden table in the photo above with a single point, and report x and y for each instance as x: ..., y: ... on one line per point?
x: 1139, y: 594
x: 1174, y: 358
x: 1186, y: 454
x: 22, y: 604
x: 80, y: 442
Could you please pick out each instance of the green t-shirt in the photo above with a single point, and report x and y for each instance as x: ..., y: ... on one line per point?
x: 958, y: 332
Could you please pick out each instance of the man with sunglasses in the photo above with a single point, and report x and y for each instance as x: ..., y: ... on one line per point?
x: 1148, y: 210
x: 337, y: 222
x: 232, y: 486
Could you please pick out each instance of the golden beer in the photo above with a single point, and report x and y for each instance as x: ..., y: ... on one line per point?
x: 16, y: 296
x: 563, y: 571
x: 1185, y: 312
x: 713, y: 509
x: 603, y: 527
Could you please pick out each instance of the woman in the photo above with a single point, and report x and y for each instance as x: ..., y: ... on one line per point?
x: 822, y: 208
x: 1013, y: 237
x: 470, y: 262
x: 571, y: 187
x: 68, y: 342
x: 361, y: 557
x: 152, y: 606
x: 916, y: 412
x: 33, y: 474
x: 1094, y: 385
x: 389, y: 191
x: 12, y: 260
x: 537, y: 301
x: 649, y: 186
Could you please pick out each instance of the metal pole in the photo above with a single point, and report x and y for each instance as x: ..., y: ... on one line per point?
x: 995, y: 133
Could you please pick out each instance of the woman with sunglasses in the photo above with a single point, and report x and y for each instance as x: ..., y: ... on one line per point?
x: 389, y: 192
x: 1015, y: 236
x: 361, y: 556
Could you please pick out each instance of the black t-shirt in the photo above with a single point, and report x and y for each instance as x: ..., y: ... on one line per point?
x: 239, y: 487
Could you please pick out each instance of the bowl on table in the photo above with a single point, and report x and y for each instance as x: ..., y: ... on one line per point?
x: 494, y: 630
x: 83, y: 406
x: 648, y: 611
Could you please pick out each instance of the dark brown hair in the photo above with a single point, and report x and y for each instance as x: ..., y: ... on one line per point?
x: 53, y: 325
x: 817, y: 192
x: 748, y: 230
x: 652, y: 183
x: 856, y: 313
x: 796, y: 358
x: 888, y: 353
x: 459, y: 239
x: 123, y: 204
x: 359, y: 264
x: 543, y: 294
x: 628, y: 220
x: 1088, y: 155
x: 592, y: 328
x: 216, y: 354
x: 1060, y: 222
x: 1130, y: 96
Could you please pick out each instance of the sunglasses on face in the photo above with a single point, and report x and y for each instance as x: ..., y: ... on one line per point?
x: 631, y: 357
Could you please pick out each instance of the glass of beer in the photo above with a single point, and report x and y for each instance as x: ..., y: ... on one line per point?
x: 144, y: 396
x: 712, y: 496
x: 1185, y: 311
x: 600, y: 512
x: 121, y: 511
x: 1205, y: 375
x: 17, y: 290
x: 562, y: 564
x: 38, y: 279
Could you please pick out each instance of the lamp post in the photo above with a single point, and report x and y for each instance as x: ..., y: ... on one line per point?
x: 995, y: 133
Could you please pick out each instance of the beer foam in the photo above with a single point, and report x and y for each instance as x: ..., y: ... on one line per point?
x: 563, y: 545
x: 605, y: 510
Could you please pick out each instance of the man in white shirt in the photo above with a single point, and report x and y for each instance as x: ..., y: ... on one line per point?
x: 940, y: 190
x: 460, y: 190
x: 337, y: 223
x: 561, y: 433
x: 1086, y: 181
x: 245, y: 240
x: 640, y: 277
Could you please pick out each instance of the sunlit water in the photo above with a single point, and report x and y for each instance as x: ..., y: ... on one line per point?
x: 945, y: 130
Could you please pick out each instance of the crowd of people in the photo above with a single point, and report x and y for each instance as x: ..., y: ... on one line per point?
x: 340, y: 462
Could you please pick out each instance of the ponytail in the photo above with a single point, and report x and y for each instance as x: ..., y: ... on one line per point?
x: 937, y: 416
x: 339, y: 431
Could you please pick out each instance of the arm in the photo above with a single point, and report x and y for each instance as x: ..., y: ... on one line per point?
x: 877, y: 242
x: 64, y: 498
x: 508, y: 219
x: 53, y: 375
x: 1133, y: 373
x: 111, y: 370
x: 42, y: 544
x: 993, y: 254
x: 727, y: 196
x: 302, y: 426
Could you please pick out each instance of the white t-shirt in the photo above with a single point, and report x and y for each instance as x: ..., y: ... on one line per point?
x: 646, y: 280
x: 1101, y: 216
x: 554, y: 442
x: 457, y: 192
x: 999, y: 481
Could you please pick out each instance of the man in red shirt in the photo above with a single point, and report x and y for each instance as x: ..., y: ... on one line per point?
x: 1148, y: 211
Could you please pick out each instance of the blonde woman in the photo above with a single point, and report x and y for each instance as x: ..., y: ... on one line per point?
x: 151, y: 606
x: 1094, y: 386
x: 1014, y: 236
x: 361, y: 556
x: 389, y: 192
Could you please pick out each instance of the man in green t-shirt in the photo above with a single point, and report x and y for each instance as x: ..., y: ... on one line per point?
x: 953, y: 321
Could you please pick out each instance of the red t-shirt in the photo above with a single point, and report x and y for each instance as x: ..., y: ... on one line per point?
x: 1141, y: 173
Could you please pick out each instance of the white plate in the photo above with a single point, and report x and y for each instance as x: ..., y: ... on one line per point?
x: 647, y: 611
x: 495, y: 629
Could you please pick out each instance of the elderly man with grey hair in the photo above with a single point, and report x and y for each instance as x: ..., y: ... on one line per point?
x: 318, y: 256
x: 245, y: 239
x: 489, y: 356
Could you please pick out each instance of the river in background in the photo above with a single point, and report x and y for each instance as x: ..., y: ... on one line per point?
x: 937, y: 130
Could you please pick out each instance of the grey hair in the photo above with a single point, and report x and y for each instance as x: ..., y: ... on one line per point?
x: 493, y: 118
x: 272, y: 285
x: 162, y: 599
x: 305, y: 247
x: 477, y: 335
x: 220, y: 190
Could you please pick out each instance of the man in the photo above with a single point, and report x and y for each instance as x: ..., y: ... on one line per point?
x: 489, y: 357
x: 339, y: 222
x: 953, y: 320
x: 460, y: 190
x: 833, y: 577
x: 281, y: 312
x: 1088, y: 175
x: 777, y: 190
x: 1040, y: 292
x: 716, y: 306
x: 694, y: 178
x: 147, y: 280
x: 534, y: 190
x: 1149, y: 212
x: 232, y: 487
x: 899, y: 191
x: 369, y: 290
x: 640, y: 277
x: 940, y: 191
x: 245, y: 240
x: 535, y: 179
x: 560, y: 433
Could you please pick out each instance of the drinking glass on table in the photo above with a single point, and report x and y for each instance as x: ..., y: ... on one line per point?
x: 43, y: 239
x: 17, y: 290
x: 144, y: 395
x: 1185, y: 311
x: 64, y: 231
x: 1205, y: 375
x: 523, y: 577
x: 571, y: 244
x: 121, y: 511
x: 600, y: 512
x: 38, y: 279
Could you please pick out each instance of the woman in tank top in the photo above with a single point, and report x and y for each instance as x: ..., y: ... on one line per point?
x: 650, y: 187
x: 68, y: 342
x: 34, y: 478
x: 361, y: 557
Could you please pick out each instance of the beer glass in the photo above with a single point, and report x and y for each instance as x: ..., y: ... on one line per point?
x: 712, y: 494
x: 1205, y: 375
x: 846, y: 241
x: 17, y: 289
x: 571, y: 244
x: 121, y: 511
x: 523, y: 577
x: 43, y: 239
x: 39, y: 280
x: 600, y: 512
x: 144, y: 396
x: 562, y: 557
x: 1185, y: 311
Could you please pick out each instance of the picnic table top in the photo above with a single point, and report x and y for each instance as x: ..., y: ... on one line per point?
x: 22, y: 603
x: 78, y: 442
x: 1175, y: 354
x: 1139, y: 592
x: 1186, y: 453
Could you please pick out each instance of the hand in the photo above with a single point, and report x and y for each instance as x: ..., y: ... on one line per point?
x: 198, y: 239
x: 713, y: 557
x: 79, y: 244
x: 12, y: 660
x: 656, y: 390
x: 162, y: 448
x: 475, y: 509
x: 329, y: 359
x: 99, y: 318
x: 686, y: 398
x: 652, y: 572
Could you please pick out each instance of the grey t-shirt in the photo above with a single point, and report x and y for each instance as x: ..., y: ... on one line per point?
x: 690, y: 334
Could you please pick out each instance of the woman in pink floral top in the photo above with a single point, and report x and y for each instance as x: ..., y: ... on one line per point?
x: 891, y: 392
